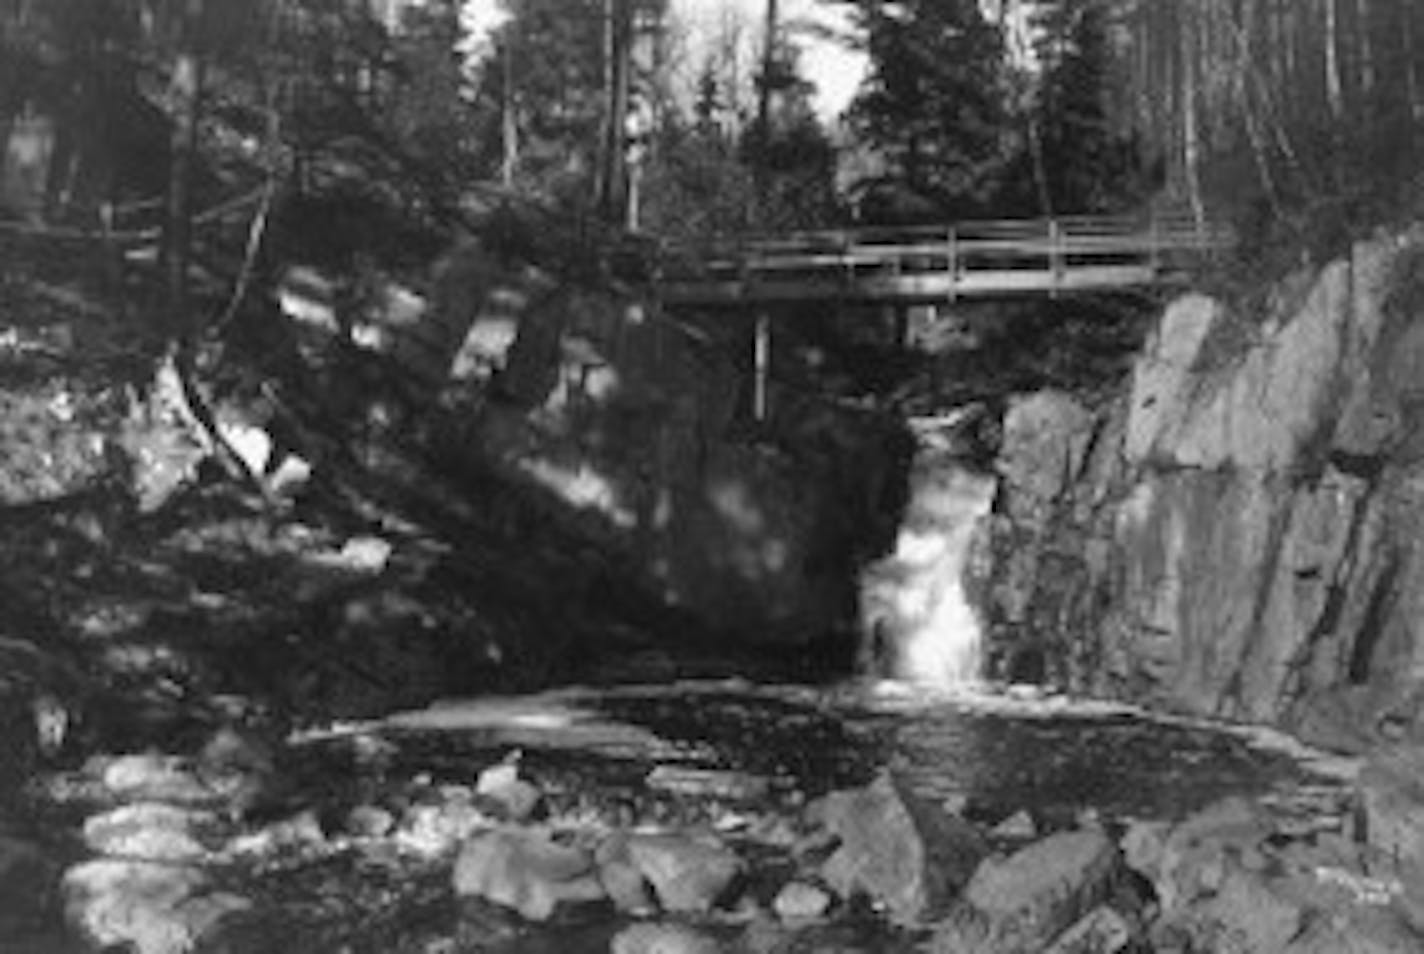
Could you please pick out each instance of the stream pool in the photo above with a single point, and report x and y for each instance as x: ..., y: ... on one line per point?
x: 621, y: 756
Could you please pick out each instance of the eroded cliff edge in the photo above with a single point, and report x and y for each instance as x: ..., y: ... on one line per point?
x: 1240, y: 531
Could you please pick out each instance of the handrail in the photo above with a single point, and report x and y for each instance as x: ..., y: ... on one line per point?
x: 926, y: 261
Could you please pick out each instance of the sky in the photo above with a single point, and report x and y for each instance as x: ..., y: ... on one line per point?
x: 834, y: 70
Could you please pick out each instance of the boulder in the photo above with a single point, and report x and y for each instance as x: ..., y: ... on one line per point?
x: 1242, y: 914
x: 511, y: 797
x: 526, y: 871
x: 1194, y: 855
x: 1102, y: 930
x: 154, y: 777
x: 905, y: 854
x: 800, y: 901
x: 687, y: 875
x: 150, y: 830
x: 142, y: 906
x: 1019, y: 904
x: 622, y: 880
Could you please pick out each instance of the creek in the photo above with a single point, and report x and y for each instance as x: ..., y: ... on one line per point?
x: 741, y: 753
x: 606, y: 755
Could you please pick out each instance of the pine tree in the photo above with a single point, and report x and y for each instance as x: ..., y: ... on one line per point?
x: 1089, y: 158
x: 933, y: 106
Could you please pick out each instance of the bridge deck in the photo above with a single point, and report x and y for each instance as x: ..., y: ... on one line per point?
x: 1045, y: 256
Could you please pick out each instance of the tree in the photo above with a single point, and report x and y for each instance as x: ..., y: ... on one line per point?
x: 933, y: 106
x: 1089, y: 157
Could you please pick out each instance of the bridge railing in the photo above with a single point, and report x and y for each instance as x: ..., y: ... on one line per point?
x: 927, y: 262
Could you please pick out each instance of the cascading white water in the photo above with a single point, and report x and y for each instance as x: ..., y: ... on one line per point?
x: 916, y: 619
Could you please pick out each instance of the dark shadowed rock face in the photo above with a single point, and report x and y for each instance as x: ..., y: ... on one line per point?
x: 636, y: 430
x: 1238, y: 533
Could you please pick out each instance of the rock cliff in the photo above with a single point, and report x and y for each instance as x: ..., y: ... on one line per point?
x: 1240, y: 531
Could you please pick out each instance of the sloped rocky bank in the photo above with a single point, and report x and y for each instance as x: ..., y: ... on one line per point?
x: 1237, y: 535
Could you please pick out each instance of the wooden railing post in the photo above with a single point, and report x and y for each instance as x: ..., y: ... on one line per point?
x: 762, y: 362
x: 1056, y: 260
x: 952, y: 261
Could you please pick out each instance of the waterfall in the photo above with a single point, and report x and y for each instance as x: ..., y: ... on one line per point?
x: 917, y: 624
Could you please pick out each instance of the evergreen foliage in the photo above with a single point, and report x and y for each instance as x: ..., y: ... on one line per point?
x: 1090, y: 160
x: 933, y: 106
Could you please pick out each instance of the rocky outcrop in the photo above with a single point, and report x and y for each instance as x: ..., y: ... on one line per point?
x: 1238, y: 534
x: 636, y: 428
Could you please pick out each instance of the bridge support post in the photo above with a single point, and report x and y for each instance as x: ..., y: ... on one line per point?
x: 762, y: 364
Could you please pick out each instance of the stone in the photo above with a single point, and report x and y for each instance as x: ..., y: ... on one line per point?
x: 1357, y: 931
x: 687, y: 875
x: 1242, y: 914
x: 906, y: 855
x: 801, y: 901
x: 526, y: 871
x: 662, y: 939
x: 1102, y: 930
x: 1196, y: 548
x: 1143, y: 845
x: 1046, y: 437
x: 145, y: 907
x: 1194, y: 856
x: 434, y: 829
x: 154, y: 831
x: 709, y: 783
x: 369, y: 821
x: 1258, y: 413
x: 1392, y: 795
x: 154, y: 777
x: 512, y: 798
x: 1163, y: 375
x: 1019, y: 826
x: 622, y: 880
x: 1024, y: 901
x: 1320, y: 522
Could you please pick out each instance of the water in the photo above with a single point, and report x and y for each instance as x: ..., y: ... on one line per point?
x: 915, y: 614
x: 597, y: 751
x: 991, y: 753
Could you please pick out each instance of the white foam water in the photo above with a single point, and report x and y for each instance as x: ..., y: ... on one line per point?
x: 914, y: 610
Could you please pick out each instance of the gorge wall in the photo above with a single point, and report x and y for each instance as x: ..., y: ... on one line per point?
x: 1241, y: 533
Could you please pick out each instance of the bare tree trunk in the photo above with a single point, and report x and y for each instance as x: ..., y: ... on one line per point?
x: 1411, y: 70
x: 186, y: 91
x: 509, y: 125
x: 763, y: 119
x: 1333, y: 89
x: 614, y: 178
x: 1191, y: 130
x: 1364, y: 27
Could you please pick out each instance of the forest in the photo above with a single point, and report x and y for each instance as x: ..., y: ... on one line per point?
x: 335, y: 381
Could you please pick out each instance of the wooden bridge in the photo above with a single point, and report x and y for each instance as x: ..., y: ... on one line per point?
x: 901, y: 268
x: 939, y: 264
